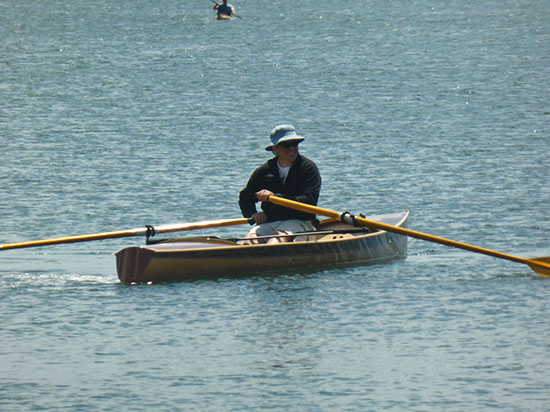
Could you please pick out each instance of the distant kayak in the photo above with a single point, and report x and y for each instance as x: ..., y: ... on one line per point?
x: 224, y: 17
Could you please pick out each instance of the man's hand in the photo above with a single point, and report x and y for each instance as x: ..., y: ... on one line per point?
x: 263, y: 195
x: 259, y: 218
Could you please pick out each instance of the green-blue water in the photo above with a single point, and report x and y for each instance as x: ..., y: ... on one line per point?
x: 114, y: 115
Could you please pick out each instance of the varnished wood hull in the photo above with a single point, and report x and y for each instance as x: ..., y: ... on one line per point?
x: 197, y: 258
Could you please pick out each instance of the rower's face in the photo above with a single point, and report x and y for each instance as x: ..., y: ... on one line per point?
x: 287, y: 152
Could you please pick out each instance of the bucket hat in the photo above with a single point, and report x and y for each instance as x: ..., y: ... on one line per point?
x: 283, y: 133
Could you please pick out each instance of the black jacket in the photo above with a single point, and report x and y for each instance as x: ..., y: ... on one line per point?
x: 302, y: 184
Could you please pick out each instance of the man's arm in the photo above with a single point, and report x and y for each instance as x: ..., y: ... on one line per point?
x: 312, y: 186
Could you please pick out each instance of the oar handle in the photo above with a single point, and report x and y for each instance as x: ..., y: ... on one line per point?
x: 202, y: 225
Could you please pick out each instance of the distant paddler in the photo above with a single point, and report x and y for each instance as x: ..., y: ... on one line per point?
x: 225, y: 11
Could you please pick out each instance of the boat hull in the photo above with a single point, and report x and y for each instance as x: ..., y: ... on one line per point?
x: 211, y: 257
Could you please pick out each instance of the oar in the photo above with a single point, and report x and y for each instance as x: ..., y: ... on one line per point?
x: 540, y: 265
x: 148, y: 231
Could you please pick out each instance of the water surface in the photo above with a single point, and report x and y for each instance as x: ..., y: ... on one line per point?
x: 117, y: 115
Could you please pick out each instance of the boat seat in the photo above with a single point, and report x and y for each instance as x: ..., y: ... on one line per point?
x: 335, y: 236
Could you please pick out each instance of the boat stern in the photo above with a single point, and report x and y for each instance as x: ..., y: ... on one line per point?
x: 131, y: 263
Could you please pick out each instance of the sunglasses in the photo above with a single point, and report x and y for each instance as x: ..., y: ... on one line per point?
x: 286, y: 145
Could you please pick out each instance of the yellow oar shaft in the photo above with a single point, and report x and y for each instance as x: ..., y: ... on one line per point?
x: 72, y: 239
x: 538, y: 265
x: 126, y: 233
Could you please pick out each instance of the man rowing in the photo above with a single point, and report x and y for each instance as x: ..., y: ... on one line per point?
x: 225, y: 11
x: 288, y: 175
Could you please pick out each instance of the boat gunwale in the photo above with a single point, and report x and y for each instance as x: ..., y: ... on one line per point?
x: 404, y: 217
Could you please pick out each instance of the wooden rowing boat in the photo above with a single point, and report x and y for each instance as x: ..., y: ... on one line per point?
x: 211, y: 257
x: 333, y: 244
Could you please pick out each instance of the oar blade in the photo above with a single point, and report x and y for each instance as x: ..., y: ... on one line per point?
x: 541, y: 265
